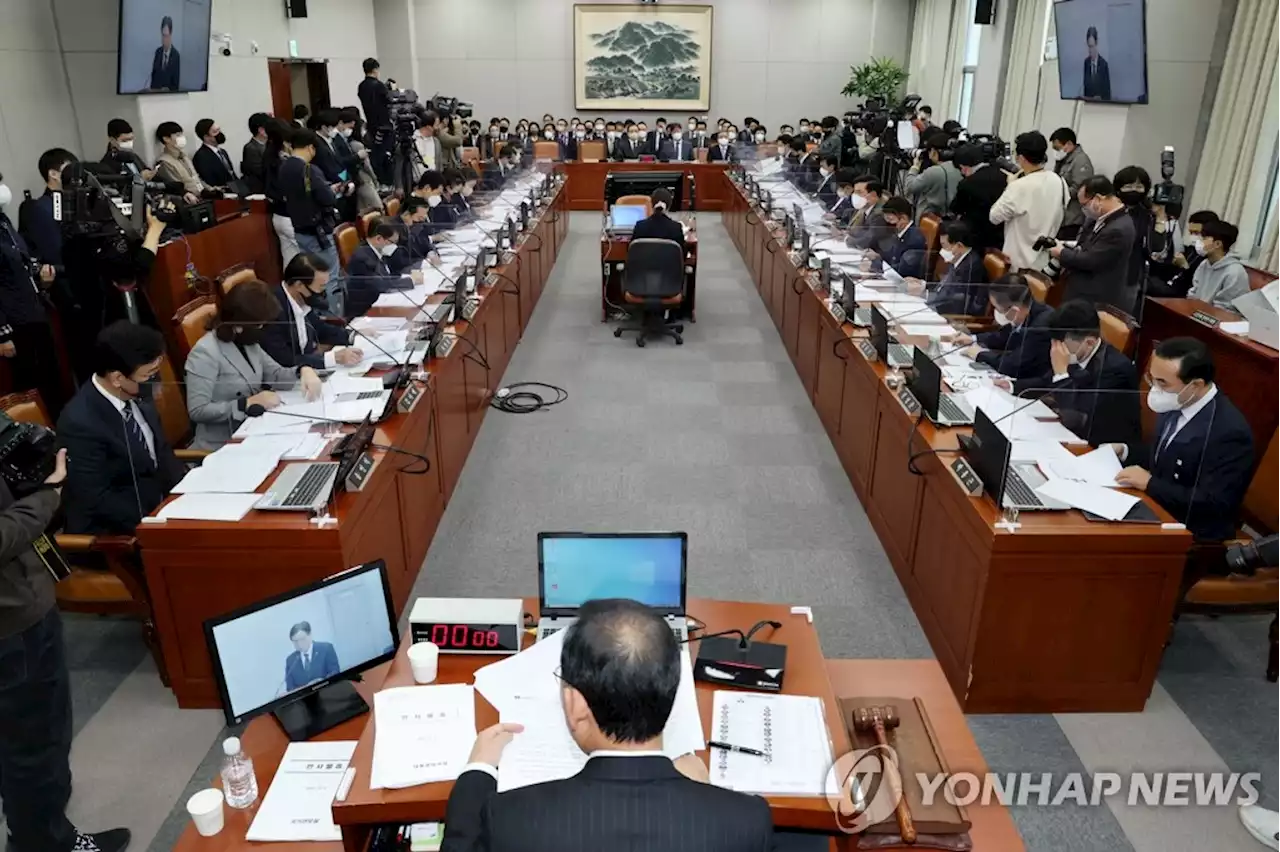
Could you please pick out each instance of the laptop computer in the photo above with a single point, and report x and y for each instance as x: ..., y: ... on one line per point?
x: 1011, y: 484
x: 306, y: 486
x: 891, y: 354
x: 623, y: 217
x: 575, y: 567
x: 944, y: 409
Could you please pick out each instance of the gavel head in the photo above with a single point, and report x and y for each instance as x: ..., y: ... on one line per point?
x: 865, y: 718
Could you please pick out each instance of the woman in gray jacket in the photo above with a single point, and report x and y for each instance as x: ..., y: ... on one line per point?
x: 227, y: 371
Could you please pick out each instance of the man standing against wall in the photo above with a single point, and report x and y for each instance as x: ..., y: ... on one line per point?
x: 375, y: 101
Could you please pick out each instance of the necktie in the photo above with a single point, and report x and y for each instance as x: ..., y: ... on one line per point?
x: 1167, y: 435
x: 226, y: 161
x: 306, y: 660
x: 137, y: 439
x: 164, y: 63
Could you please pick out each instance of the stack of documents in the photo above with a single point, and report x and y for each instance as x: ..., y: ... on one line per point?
x: 208, y: 507
x: 1086, y: 482
x: 422, y: 734
x: 524, y: 689
x: 299, y: 804
x: 233, y: 469
x: 791, y: 730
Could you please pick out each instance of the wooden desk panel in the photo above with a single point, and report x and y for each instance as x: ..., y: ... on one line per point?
x: 585, y: 186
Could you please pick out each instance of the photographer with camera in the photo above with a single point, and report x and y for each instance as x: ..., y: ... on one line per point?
x: 375, y: 101
x: 312, y: 209
x: 1098, y: 265
x: 35, y: 689
x: 1032, y: 204
x: 933, y: 189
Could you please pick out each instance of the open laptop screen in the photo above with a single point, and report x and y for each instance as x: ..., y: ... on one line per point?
x: 574, y: 568
x: 625, y: 216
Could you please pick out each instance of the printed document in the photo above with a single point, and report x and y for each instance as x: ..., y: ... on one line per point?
x: 299, y: 804
x: 423, y: 734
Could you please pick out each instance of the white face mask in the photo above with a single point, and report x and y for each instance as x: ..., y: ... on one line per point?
x: 125, y: 145
x: 433, y: 200
x: 599, y: 128
x: 1163, y: 401
x: 633, y: 136
x: 180, y: 142
x: 495, y: 133
x: 759, y: 137
x: 1074, y: 357
x: 612, y: 134
x: 825, y: 172
x: 1056, y: 155
x: 6, y: 195
x: 948, y: 255
x: 1197, y: 243
x: 858, y: 201
x: 346, y: 132
x: 676, y: 136
x: 550, y: 134
x: 723, y: 140
x: 388, y: 250
x: 581, y: 134
x: 804, y: 128
x: 1002, y: 319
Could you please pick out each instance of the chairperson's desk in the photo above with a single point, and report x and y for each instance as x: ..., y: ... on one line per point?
x: 1060, y: 615
x: 196, y: 571
x: 585, y: 185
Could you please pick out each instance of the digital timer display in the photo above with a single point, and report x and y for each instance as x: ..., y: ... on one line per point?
x: 469, y: 638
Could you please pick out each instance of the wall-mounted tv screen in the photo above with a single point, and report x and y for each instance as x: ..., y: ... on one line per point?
x: 164, y: 46
x: 1102, y: 50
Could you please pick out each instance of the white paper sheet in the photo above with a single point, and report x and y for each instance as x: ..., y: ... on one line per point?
x: 309, y: 448
x: 422, y: 734
x: 1098, y: 467
x: 226, y: 472
x: 1107, y: 502
x: 938, y: 331
x: 790, y: 729
x: 209, y: 507
x: 299, y: 804
x: 272, y: 424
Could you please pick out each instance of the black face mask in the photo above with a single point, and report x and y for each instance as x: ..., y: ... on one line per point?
x: 504, y: 128
x: 315, y: 300
x: 249, y: 336
x: 1132, y: 197
x: 147, y: 388
x: 221, y: 139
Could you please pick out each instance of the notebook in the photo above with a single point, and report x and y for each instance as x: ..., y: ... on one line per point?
x: 791, y: 730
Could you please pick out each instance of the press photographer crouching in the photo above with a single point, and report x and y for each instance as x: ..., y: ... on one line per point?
x: 35, y: 692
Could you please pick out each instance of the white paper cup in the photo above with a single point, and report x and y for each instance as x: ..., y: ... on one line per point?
x: 424, y: 659
x: 205, y: 808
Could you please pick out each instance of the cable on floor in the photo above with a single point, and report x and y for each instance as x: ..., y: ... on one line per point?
x: 519, y: 398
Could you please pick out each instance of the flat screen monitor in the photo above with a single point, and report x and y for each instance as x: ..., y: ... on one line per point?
x: 926, y: 382
x: 988, y: 450
x: 1102, y: 50
x: 293, y: 654
x: 619, y: 184
x: 880, y: 334
x: 625, y: 216
x: 574, y: 568
x: 163, y: 47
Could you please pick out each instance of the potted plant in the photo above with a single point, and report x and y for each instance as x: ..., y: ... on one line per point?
x: 879, y: 78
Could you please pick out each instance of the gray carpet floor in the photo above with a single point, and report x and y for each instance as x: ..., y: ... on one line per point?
x: 718, y: 439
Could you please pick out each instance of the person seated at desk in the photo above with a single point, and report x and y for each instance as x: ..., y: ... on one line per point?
x: 120, y: 465
x: 619, y: 672
x: 413, y: 244
x: 211, y: 162
x: 173, y: 165
x: 120, y: 155
x: 963, y: 288
x: 1172, y: 275
x: 433, y: 188
x: 825, y: 190
x: 865, y: 213
x: 1019, y: 348
x: 1198, y: 465
x: 496, y: 172
x: 675, y: 147
x: 723, y: 150
x: 1093, y: 386
x: 801, y: 166
x: 369, y: 267
x: 660, y: 226
x: 904, y: 247
x: 462, y: 198
x: 642, y: 146
x: 302, y: 337
x: 1221, y: 278
x: 847, y: 209
x: 228, y: 370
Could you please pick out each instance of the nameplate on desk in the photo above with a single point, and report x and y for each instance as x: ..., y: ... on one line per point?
x: 469, y: 309
x: 908, y: 402
x: 359, y: 476
x: 409, y: 399
x: 965, y: 475
x: 445, y: 345
x: 837, y: 313
x: 1204, y: 319
x: 868, y: 350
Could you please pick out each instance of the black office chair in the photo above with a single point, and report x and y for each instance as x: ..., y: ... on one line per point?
x: 653, y: 283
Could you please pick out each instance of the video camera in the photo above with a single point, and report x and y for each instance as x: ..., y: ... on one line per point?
x: 1167, y: 192
x: 97, y: 201
x: 405, y: 111
x: 27, y: 453
x: 445, y: 107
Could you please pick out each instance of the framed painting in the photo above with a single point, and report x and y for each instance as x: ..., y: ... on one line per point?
x: 641, y: 57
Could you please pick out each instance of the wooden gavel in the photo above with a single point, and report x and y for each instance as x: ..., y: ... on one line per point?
x: 878, y: 719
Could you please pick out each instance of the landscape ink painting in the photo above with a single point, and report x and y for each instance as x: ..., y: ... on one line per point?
x: 642, y: 57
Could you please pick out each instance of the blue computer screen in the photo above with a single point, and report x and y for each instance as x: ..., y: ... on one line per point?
x: 646, y: 569
x: 627, y: 215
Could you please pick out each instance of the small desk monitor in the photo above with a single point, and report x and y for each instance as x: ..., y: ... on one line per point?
x: 623, y: 217
x: 295, y: 654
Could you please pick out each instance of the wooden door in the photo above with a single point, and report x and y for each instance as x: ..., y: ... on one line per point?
x: 318, y: 85
x: 281, y: 89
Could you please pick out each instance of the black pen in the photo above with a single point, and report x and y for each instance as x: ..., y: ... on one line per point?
x: 738, y: 749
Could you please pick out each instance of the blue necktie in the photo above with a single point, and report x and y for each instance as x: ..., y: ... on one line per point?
x: 1167, y: 435
x: 134, y: 430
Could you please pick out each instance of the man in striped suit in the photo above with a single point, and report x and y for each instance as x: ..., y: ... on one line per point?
x: 619, y: 672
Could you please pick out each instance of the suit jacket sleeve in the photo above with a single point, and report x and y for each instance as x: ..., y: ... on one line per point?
x: 1108, y: 247
x: 1104, y: 78
x: 202, y: 376
x: 321, y: 192
x: 89, y: 476
x: 175, y: 69
x: 363, y: 268
x: 1227, y: 459
x: 251, y: 163
x: 277, y: 342
x: 331, y: 664
x: 466, y: 815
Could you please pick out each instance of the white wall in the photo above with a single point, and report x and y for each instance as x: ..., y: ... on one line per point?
x: 776, y: 60
x: 394, y: 27
x: 989, y: 79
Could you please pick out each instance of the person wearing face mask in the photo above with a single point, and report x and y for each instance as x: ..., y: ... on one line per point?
x: 1199, y: 460
x: 860, y: 207
x: 723, y: 149
x: 801, y: 166
x: 1173, y: 277
x: 444, y: 214
x: 748, y: 134
x: 628, y: 145
x: 826, y: 187
x: 981, y: 185
x: 428, y: 146
x: 563, y: 134
x: 120, y: 154
x: 904, y: 247
x: 569, y: 151
x: 413, y: 244
x: 1072, y: 164
x: 933, y: 189
x: 325, y: 125
x: 611, y: 142
x: 963, y: 287
x: 348, y: 162
x: 212, y: 163
x: 462, y: 199
x: 370, y: 267
x: 759, y: 136
x: 472, y: 138
x: 302, y: 338
x: 699, y: 137
x: 1019, y: 347
x: 497, y: 172
x: 831, y: 144
x: 1097, y: 266
x: 122, y: 466
x: 1133, y: 188
x: 1032, y: 203
x: 311, y: 207
x: 173, y: 165
x: 676, y: 147
x: 598, y: 129
x: 252, y: 152
x: 228, y: 370
x: 654, y: 138
x: 1221, y: 278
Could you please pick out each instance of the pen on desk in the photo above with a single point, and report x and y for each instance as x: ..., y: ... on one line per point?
x: 738, y: 749
x: 344, y: 787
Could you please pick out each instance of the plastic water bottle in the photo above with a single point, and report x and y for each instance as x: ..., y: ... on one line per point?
x: 239, y: 784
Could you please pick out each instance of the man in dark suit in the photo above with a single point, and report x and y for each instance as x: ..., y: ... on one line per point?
x: 1200, y: 460
x: 982, y: 186
x: 853, y: 209
x: 698, y: 136
x: 628, y: 144
x: 1019, y: 348
x: 723, y: 150
x: 1097, y: 75
x: 676, y: 147
x: 904, y: 247
x: 1093, y: 386
x: 299, y: 337
x: 660, y: 226
x: 496, y: 171
x: 166, y: 66
x: 251, y: 162
x: 212, y: 162
x: 619, y: 673
x: 120, y: 155
x: 120, y: 465
x: 1097, y: 266
x: 325, y: 125
x: 825, y: 189
x: 310, y: 661
x: 414, y: 242
x: 963, y: 287
x: 654, y: 139
x: 368, y: 267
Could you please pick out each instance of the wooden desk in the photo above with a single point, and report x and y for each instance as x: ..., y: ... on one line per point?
x: 1247, y: 372
x: 806, y: 675
x: 196, y: 571
x: 992, y: 828
x: 585, y: 186
x: 1062, y: 615
x: 613, y: 251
